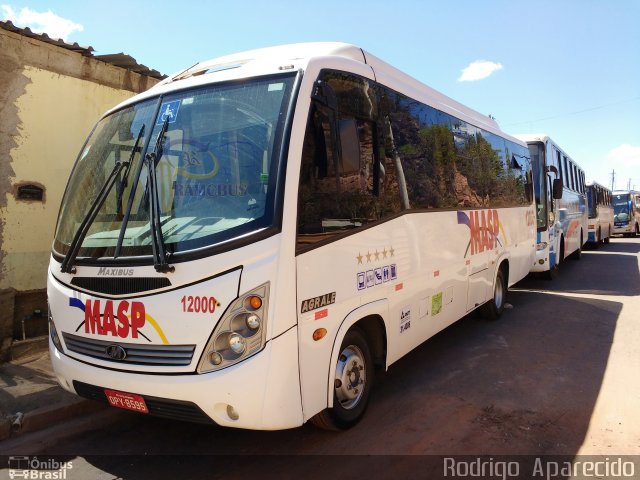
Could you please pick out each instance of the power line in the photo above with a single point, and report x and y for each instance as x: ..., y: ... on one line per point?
x: 578, y: 112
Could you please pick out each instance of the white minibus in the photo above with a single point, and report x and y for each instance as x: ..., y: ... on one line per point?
x: 250, y: 241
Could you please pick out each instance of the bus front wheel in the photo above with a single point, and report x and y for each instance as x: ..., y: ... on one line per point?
x: 353, y: 378
x: 492, y: 310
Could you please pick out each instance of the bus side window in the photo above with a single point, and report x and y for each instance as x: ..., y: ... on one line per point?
x: 340, y: 177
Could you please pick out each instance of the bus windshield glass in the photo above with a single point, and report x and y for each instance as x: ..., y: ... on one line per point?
x: 215, y: 150
x: 592, y: 200
x: 539, y: 183
x: 621, y: 207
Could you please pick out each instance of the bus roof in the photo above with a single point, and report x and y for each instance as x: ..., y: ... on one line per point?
x: 589, y: 183
x: 533, y: 137
x: 544, y: 138
x: 297, y: 56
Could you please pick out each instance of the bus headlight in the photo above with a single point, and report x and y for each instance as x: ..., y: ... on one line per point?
x: 237, y: 343
x: 541, y: 246
x: 240, y: 333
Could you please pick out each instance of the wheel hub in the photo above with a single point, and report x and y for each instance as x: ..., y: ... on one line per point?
x: 350, y: 377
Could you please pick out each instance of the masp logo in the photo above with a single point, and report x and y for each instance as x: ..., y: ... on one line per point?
x: 484, y: 226
x: 123, y: 319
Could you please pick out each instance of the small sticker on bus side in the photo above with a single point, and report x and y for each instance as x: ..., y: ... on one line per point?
x: 405, y: 319
x: 371, y: 278
x: 436, y: 304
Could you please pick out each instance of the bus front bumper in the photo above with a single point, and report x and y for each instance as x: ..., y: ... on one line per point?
x: 624, y: 229
x: 261, y: 393
x: 542, y: 260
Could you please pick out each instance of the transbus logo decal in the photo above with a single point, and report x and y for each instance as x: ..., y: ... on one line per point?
x: 485, y: 226
x: 122, y: 319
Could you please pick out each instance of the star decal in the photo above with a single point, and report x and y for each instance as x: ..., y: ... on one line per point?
x: 375, y: 255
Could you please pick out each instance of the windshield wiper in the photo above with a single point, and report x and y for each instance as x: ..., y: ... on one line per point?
x: 122, y: 184
x: 81, y: 233
x: 157, y: 242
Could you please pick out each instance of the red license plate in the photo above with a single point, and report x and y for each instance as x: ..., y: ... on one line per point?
x: 128, y: 401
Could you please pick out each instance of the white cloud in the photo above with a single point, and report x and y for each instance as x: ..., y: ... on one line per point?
x: 625, y: 154
x: 478, y: 70
x: 41, y: 22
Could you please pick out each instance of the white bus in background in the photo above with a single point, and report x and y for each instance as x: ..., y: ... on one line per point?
x: 561, y: 204
x: 600, y: 222
x: 249, y: 240
x: 626, y: 212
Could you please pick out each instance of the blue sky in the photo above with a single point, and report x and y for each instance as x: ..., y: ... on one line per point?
x: 567, y: 68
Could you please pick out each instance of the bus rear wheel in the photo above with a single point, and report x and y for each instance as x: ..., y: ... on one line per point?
x: 353, y: 378
x: 492, y: 310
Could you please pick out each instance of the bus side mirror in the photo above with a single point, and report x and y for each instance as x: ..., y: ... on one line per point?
x: 557, y: 189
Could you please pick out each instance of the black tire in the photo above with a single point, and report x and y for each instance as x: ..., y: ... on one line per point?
x: 552, y: 273
x: 577, y: 255
x: 353, y: 375
x: 492, y: 310
x: 608, y: 237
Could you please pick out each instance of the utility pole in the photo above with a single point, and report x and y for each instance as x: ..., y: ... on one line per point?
x: 629, y: 185
x: 613, y: 179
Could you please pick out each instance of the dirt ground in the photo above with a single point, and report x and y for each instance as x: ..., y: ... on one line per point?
x: 556, y: 375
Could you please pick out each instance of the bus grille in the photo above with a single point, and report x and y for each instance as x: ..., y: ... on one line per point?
x: 160, y: 407
x: 120, y: 286
x: 157, y: 355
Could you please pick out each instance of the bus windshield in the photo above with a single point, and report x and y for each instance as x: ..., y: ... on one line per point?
x: 539, y: 182
x: 592, y: 200
x: 215, y: 150
x: 621, y: 210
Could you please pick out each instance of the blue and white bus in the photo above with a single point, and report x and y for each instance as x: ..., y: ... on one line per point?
x: 626, y: 212
x: 561, y: 204
x: 600, y: 213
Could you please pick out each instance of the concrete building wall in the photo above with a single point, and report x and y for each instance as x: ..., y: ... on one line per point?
x: 50, y: 98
